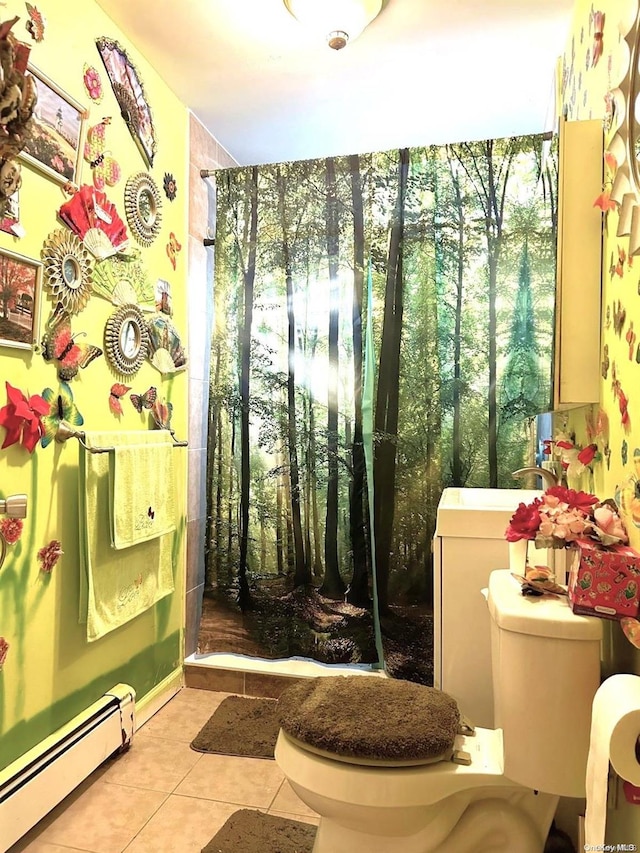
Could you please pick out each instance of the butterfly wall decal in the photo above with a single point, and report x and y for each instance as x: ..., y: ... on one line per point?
x: 118, y: 391
x: 61, y: 408
x: 144, y: 401
x: 60, y: 346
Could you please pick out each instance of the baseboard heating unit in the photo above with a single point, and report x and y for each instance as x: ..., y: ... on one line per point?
x: 41, y: 778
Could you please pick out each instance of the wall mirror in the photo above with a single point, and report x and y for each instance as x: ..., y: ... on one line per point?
x: 143, y: 208
x: 126, y: 340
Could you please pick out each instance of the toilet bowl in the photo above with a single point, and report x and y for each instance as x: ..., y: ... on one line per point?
x: 504, y: 799
x: 382, y: 808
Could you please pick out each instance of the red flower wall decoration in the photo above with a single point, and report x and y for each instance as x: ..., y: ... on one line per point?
x: 21, y: 418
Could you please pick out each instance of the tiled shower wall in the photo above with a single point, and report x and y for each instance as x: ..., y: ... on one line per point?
x: 204, y: 153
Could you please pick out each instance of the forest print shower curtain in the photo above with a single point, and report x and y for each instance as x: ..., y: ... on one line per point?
x: 458, y: 243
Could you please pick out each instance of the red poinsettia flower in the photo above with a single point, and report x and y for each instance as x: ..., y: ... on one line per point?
x: 575, y: 500
x: 21, y: 418
x: 49, y: 556
x: 524, y: 522
x: 11, y: 530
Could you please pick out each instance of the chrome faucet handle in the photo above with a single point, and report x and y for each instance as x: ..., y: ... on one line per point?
x: 548, y: 477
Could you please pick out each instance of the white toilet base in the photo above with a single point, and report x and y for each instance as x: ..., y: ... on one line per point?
x: 491, y: 825
x: 442, y: 808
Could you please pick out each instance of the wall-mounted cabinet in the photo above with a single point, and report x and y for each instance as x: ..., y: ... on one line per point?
x: 579, y: 269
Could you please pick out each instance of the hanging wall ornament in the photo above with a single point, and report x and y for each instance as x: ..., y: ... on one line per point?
x: 170, y: 186
x: 60, y: 346
x: 118, y: 391
x: 10, y: 182
x: 92, y: 83
x: 36, y: 23
x: 95, y: 220
x: 144, y: 401
x: 129, y: 91
x: 61, y: 408
x: 166, y: 351
x: 106, y: 170
x: 18, y: 94
x: 173, y: 247
x: 143, y: 208
x: 68, y: 270
x: 123, y: 280
x: 126, y: 340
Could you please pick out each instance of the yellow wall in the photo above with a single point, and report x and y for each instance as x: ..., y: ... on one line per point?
x: 51, y: 672
x: 583, y: 96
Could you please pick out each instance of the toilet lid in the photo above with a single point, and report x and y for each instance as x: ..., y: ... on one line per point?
x: 370, y: 720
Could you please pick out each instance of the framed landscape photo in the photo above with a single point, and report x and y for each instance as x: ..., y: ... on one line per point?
x: 55, y: 143
x: 20, y: 289
x: 129, y: 91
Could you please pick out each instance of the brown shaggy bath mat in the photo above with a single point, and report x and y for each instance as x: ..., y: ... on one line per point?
x: 240, y: 726
x: 250, y: 831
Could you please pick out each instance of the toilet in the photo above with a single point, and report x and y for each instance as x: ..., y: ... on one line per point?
x: 480, y: 791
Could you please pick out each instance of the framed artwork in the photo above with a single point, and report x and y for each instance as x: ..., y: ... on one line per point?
x: 20, y: 288
x: 129, y: 91
x: 55, y: 144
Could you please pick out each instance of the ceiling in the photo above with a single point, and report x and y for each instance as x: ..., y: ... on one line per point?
x: 423, y: 72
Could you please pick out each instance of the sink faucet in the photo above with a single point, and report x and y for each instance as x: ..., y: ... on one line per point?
x: 548, y: 477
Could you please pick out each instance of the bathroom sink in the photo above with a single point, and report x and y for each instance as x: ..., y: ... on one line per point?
x: 479, y: 513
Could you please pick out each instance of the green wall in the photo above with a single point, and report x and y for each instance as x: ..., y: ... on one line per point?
x: 51, y: 673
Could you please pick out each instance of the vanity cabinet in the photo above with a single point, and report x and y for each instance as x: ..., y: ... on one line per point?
x: 579, y: 264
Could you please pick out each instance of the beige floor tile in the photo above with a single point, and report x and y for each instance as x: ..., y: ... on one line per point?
x: 103, y: 819
x: 181, y: 825
x: 245, y: 781
x: 194, y: 696
x: 288, y: 801
x: 183, y: 717
x: 153, y: 763
x: 38, y: 846
x: 302, y: 818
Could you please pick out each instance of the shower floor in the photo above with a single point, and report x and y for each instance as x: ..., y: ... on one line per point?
x: 305, y: 624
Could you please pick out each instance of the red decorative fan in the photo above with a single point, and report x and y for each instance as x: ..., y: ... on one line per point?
x: 95, y: 220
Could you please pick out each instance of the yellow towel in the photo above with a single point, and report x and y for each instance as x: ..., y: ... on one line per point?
x: 141, y: 485
x: 115, y: 586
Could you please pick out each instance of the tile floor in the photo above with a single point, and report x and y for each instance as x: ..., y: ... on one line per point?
x: 161, y: 796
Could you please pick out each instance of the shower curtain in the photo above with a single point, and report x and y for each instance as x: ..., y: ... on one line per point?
x: 457, y: 246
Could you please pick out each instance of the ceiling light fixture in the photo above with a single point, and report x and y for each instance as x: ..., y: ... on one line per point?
x: 339, y: 21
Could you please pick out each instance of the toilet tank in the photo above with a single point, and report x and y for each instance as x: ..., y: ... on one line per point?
x: 546, y: 669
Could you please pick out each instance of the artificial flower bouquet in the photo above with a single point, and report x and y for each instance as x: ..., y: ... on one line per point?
x: 605, y: 573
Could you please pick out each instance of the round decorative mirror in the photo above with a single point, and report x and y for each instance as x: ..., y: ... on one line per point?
x: 68, y: 270
x: 126, y: 340
x: 143, y: 207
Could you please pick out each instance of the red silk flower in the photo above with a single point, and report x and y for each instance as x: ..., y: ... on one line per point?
x: 575, y: 500
x: 21, y: 418
x: 525, y: 522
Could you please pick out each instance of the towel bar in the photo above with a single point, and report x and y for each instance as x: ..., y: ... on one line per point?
x: 66, y: 431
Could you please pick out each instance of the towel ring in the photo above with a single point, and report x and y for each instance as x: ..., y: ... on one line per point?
x: 65, y: 431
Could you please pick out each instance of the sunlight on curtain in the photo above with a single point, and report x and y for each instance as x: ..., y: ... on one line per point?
x: 461, y: 241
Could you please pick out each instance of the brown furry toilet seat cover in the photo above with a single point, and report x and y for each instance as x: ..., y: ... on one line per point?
x: 370, y: 718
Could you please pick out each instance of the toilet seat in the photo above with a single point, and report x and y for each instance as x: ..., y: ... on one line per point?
x: 368, y: 761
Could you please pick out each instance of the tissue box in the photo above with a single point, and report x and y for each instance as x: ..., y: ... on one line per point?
x: 604, y: 583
